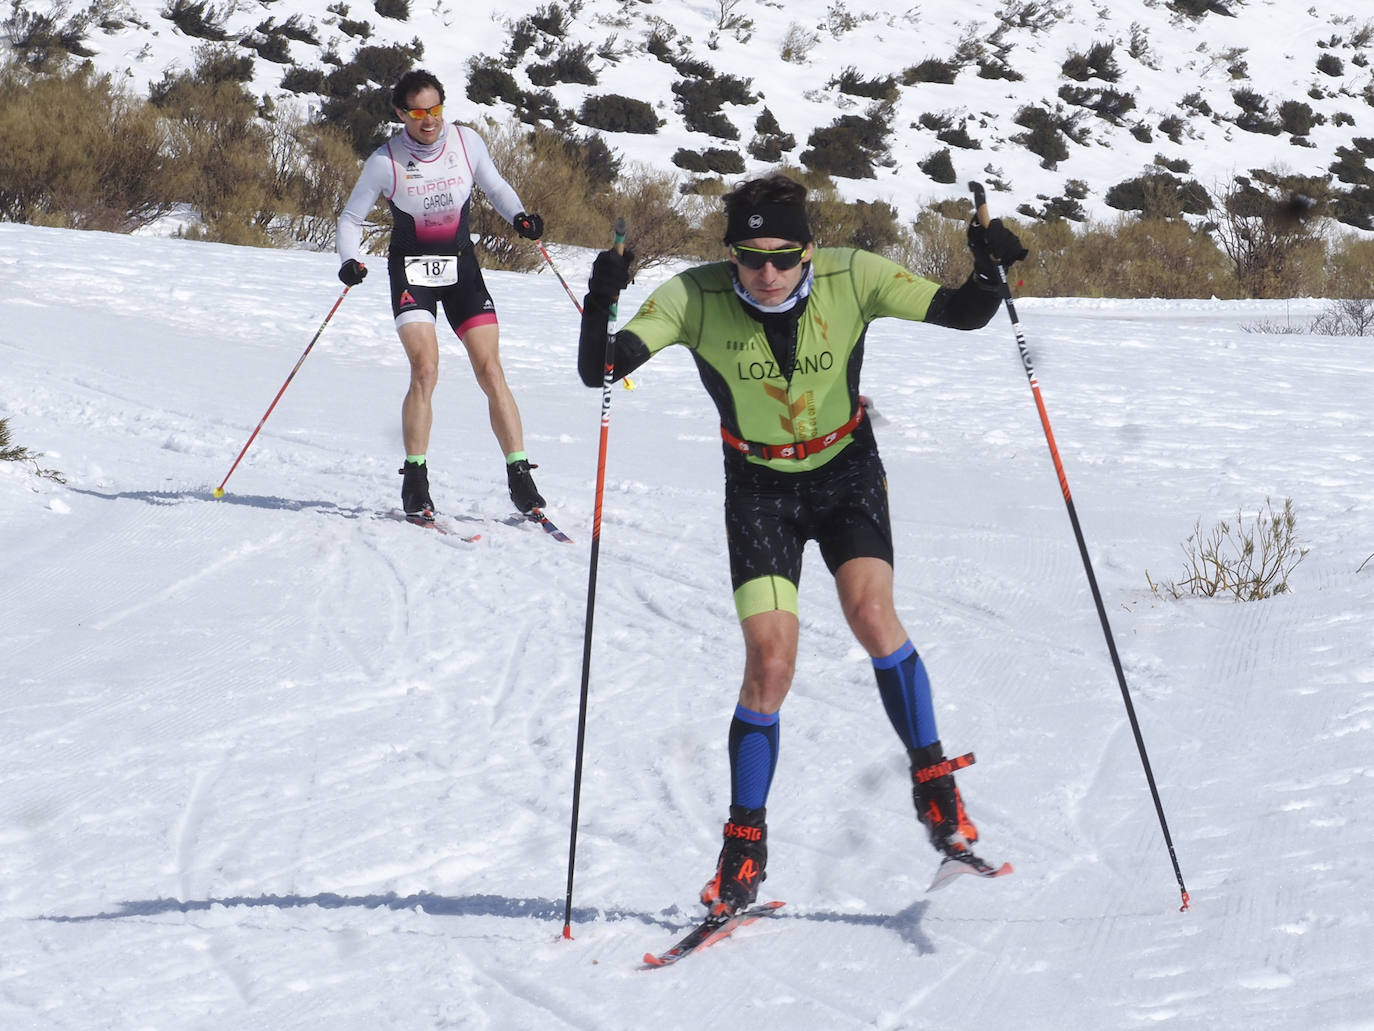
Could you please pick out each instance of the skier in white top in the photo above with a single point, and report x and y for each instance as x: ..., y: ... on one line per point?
x: 426, y: 172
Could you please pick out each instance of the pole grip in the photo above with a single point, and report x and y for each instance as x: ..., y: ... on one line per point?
x: 980, y: 203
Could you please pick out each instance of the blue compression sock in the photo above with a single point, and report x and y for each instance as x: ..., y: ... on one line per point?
x: 753, y: 756
x: 905, y: 690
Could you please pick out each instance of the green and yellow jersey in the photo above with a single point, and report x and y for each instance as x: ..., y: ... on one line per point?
x: 758, y: 400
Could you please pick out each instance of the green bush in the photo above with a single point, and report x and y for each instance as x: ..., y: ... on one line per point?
x: 939, y: 167
x: 930, y: 70
x: 1330, y: 64
x: 40, y: 41
x: 573, y: 64
x: 10, y: 452
x: 397, y: 10
x: 612, y: 112
x: 700, y: 100
x: 1159, y: 195
x: 851, y: 145
x: 690, y: 160
x: 851, y: 82
x: 303, y: 80
x: 1044, y: 136
x: 488, y: 83
x: 1298, y: 118
x: 196, y: 18
x: 1254, y: 113
x: 1099, y: 62
x: 1109, y: 104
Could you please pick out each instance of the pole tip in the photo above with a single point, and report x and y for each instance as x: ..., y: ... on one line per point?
x: 567, y: 932
x: 219, y: 492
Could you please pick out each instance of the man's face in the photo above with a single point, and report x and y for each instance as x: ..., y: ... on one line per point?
x: 426, y: 128
x: 769, y: 284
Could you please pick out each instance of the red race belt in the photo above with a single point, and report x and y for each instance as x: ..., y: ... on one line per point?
x: 797, y: 449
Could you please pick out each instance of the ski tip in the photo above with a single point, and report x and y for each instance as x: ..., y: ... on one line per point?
x: 951, y: 868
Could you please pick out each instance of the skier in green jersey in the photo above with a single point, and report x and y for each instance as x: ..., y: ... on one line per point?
x: 777, y: 332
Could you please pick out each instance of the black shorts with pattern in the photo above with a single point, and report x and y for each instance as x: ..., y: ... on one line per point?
x: 769, y: 516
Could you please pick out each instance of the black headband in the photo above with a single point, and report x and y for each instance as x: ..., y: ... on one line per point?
x: 776, y: 221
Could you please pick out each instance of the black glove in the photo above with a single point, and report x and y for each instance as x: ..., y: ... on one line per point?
x: 610, y: 273
x: 352, y: 272
x: 531, y: 227
x: 993, y: 245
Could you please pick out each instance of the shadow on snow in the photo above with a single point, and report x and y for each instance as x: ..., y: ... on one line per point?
x: 177, y: 497
x: 905, y: 923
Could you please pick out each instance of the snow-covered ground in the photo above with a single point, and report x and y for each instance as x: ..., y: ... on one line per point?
x: 271, y: 762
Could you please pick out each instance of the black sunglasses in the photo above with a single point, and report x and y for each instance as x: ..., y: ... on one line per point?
x: 782, y: 259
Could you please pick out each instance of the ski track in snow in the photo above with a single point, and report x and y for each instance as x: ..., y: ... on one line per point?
x: 278, y: 761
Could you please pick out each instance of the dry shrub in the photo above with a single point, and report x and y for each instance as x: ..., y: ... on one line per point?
x: 1248, y: 563
x: 313, y: 171
x: 105, y: 170
x: 1161, y: 258
x: 1350, y: 268
x: 934, y: 245
x: 553, y: 177
x: 224, y: 153
x: 659, y: 218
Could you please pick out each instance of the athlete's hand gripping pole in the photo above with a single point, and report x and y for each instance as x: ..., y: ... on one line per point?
x: 219, y: 491
x: 980, y: 201
x: 607, y: 380
x: 628, y: 383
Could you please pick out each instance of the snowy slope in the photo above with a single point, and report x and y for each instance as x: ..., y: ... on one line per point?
x: 1268, y: 46
x: 270, y: 762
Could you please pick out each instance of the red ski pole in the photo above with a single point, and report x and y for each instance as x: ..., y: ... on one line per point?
x: 219, y: 491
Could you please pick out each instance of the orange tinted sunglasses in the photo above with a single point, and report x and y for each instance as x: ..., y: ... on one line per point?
x: 418, y: 113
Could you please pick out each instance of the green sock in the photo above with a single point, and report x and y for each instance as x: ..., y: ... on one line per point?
x: 416, y: 459
x: 516, y: 456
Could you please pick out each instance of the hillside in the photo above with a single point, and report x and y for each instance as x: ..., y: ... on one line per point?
x: 1053, y: 103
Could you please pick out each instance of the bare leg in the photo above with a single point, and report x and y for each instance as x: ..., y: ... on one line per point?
x: 417, y: 412
x: 483, y: 345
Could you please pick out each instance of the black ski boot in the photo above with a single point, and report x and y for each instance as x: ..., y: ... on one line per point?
x: 415, y: 500
x: 524, y: 495
x: 740, y: 868
x: 938, y: 804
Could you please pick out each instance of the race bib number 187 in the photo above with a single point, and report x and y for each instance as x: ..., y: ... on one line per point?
x: 431, y: 270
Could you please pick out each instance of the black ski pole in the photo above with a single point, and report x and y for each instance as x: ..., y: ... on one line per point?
x: 608, y: 378
x: 981, y: 202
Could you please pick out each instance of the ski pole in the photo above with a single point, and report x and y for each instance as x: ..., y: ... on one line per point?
x: 607, y: 380
x: 219, y: 491
x: 542, y: 250
x: 981, y: 203
x: 628, y: 383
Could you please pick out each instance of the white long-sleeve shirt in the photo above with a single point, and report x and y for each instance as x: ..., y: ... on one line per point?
x: 429, y: 190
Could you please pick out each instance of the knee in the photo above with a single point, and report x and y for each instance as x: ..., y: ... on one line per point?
x: 424, y: 375
x: 869, y: 617
x: 769, y: 679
